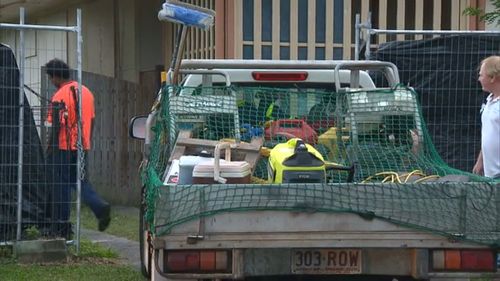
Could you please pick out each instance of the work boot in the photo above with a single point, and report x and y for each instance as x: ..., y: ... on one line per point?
x: 105, y: 218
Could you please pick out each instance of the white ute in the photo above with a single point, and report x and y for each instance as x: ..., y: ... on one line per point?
x: 299, y: 245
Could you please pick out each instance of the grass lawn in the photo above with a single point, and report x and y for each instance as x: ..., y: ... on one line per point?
x: 82, y: 271
x: 123, y: 223
x: 94, y: 263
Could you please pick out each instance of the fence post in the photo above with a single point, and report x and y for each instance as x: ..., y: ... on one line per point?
x: 368, y: 37
x: 357, y: 31
x: 21, y: 129
x: 80, y: 159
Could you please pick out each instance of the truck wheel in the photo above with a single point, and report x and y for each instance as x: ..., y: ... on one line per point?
x: 144, y: 238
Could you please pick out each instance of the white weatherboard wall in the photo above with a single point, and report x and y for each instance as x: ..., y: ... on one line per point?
x: 98, y: 37
x: 149, y: 41
x: 126, y: 46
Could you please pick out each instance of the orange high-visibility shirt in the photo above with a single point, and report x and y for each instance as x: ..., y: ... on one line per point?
x: 68, y: 133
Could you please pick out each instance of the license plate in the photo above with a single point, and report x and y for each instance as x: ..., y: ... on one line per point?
x: 326, y: 261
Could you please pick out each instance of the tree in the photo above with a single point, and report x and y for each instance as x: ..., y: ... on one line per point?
x: 490, y: 17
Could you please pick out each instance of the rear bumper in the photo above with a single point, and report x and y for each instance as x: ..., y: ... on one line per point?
x: 412, y: 263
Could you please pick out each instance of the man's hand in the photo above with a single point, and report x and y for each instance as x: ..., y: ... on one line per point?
x: 478, y: 168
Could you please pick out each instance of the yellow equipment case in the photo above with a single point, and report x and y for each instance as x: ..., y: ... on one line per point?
x: 296, y: 162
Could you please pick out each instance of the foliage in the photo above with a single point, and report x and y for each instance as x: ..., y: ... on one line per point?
x: 5, y: 251
x: 32, y: 233
x: 90, y: 249
x: 489, y: 17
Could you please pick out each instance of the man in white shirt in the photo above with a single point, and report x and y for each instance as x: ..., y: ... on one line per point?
x: 488, y: 160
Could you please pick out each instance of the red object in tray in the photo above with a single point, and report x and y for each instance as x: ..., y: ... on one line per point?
x: 291, y: 128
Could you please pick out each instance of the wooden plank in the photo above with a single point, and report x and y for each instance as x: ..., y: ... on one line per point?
x: 455, y: 15
x: 276, y: 30
x: 347, y: 30
x: 203, y: 45
x: 436, y: 15
x: 206, y: 35
x: 213, y: 43
x: 400, y: 19
x: 197, y: 43
x: 252, y: 156
x: 124, y: 138
x: 107, y: 120
x: 191, y: 49
x: 419, y: 17
x: 119, y: 161
x: 257, y: 29
x: 294, y: 27
x: 238, y: 24
x: 311, y: 29
x: 130, y: 149
x: 382, y: 19
x: 329, y: 14
x: 179, y: 148
x: 481, y: 25
x: 464, y: 20
x: 184, y: 144
x: 365, y: 8
x: 187, y: 141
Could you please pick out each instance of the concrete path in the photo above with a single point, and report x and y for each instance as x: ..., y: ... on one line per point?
x: 127, y: 249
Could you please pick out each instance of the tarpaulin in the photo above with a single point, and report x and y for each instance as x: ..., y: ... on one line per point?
x: 36, y: 198
x: 444, y: 73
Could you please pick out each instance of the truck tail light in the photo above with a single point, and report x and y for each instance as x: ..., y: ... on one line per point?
x: 279, y: 76
x: 463, y: 260
x: 192, y: 261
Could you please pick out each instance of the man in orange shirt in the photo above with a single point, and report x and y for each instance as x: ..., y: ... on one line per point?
x: 64, y: 151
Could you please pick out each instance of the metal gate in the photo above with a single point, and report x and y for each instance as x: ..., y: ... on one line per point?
x: 449, y: 94
x: 29, y: 187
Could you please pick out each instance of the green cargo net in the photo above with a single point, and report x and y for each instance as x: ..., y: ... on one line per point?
x: 380, y: 134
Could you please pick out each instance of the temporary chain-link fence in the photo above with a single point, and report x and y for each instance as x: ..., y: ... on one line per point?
x: 35, y: 197
x: 442, y: 66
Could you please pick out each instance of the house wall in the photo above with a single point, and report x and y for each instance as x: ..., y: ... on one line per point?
x: 126, y: 48
x: 149, y: 40
x: 98, y: 54
x: 323, y: 29
x: 314, y: 29
x: 112, y: 45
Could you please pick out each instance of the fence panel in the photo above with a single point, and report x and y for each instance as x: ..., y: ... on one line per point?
x: 442, y: 66
x: 35, y: 183
x: 112, y: 162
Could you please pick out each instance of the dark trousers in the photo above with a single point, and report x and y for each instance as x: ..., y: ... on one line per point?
x: 64, y: 167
